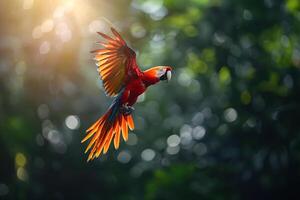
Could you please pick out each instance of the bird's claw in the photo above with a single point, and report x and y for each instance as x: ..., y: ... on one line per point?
x: 127, y: 110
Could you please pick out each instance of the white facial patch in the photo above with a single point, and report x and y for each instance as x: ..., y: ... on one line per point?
x: 161, y: 72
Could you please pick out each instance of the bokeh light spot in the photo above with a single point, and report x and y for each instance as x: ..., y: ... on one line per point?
x: 200, y: 149
x: 224, y: 75
x: 59, y: 12
x: 72, y: 122
x: 184, y: 79
x: 198, y: 132
x: 20, y: 160
x: 37, y: 32
x: 132, y: 139
x: 137, y: 30
x: 230, y: 115
x: 186, y: 134
x: 62, y: 30
x: 198, y: 118
x: 54, y: 136
x: 47, y: 25
x: 173, y: 150
x: 39, y: 140
x: 43, y: 111
x: 247, y: 15
x: 124, y: 157
x: 245, y: 97
x: 173, y: 140
x: 96, y: 26
x: 22, y: 174
x: 148, y: 154
x: 45, y: 47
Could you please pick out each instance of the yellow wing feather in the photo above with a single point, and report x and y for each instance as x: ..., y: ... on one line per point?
x: 112, y: 62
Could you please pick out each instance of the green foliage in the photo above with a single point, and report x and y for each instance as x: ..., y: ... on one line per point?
x: 165, y: 182
x: 225, y: 127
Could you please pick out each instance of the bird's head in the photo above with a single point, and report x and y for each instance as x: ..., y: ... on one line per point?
x: 158, y: 73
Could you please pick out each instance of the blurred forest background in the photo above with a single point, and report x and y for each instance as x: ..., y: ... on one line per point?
x: 225, y: 127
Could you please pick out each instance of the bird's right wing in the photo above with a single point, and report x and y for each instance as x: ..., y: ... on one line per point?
x: 116, y: 63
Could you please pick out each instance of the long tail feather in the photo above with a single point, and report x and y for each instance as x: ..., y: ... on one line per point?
x: 107, y: 129
x: 117, y: 135
x: 130, y: 122
x: 124, y: 128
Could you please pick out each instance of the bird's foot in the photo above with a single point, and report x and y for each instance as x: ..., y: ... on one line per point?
x: 127, y: 110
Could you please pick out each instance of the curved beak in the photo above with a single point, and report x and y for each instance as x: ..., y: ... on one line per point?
x: 169, y: 75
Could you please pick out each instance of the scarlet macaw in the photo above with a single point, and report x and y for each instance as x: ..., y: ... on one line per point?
x: 122, y: 79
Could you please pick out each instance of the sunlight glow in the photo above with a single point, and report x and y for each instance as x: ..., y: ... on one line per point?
x: 45, y: 47
x: 95, y: 26
x: 27, y: 4
x: 47, y: 25
x: 62, y: 30
x: 37, y: 32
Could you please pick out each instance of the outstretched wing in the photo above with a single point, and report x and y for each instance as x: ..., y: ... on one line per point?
x: 116, y: 63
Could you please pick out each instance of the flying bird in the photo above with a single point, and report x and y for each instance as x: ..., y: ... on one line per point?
x: 124, y: 81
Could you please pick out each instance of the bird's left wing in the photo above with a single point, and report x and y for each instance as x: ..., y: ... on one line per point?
x: 116, y: 63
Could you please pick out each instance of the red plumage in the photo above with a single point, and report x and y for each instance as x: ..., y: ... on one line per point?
x: 122, y: 79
